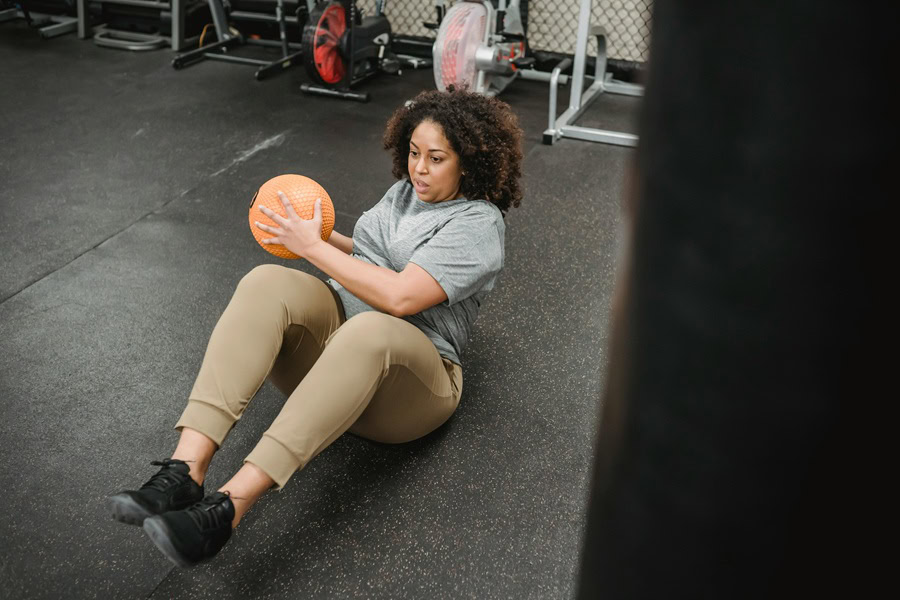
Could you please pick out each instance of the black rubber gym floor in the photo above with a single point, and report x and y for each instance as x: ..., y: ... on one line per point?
x: 123, y: 231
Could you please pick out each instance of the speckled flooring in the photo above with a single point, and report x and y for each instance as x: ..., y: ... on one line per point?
x: 122, y: 235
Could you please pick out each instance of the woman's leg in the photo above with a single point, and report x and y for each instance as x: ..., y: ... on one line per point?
x: 277, y: 317
x: 245, y: 488
x: 380, y: 376
x: 197, y: 451
x: 388, y: 417
x: 378, y: 373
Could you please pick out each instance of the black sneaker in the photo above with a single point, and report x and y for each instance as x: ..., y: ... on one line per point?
x: 170, y: 489
x: 191, y: 536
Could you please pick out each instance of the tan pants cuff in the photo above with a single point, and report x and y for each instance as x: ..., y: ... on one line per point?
x: 207, y: 419
x: 275, y: 460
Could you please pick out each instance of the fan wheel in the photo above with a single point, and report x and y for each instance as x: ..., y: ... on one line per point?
x: 322, y: 42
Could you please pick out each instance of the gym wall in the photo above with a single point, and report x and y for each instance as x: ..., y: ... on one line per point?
x: 550, y: 24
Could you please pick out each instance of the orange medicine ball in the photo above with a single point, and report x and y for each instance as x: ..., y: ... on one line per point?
x: 302, y: 192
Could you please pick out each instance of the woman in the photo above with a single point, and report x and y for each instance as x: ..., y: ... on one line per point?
x: 375, y: 350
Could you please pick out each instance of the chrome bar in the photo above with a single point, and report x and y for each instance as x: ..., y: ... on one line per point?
x: 584, y: 19
x: 260, y: 17
x: 535, y: 75
x: 554, y: 86
x: 604, y: 136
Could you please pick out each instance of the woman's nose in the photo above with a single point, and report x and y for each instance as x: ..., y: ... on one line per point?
x: 421, y: 166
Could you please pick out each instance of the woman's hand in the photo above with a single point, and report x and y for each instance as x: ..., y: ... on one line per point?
x: 296, y: 234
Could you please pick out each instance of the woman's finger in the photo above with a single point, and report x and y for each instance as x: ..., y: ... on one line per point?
x: 271, y: 240
x: 273, y: 215
x: 269, y: 228
x: 288, y: 207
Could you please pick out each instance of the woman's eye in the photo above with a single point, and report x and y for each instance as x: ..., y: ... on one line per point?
x: 435, y: 159
x: 412, y: 153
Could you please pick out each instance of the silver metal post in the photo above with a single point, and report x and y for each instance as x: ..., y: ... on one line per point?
x: 480, y: 87
x: 177, y: 25
x: 83, y: 29
x: 554, y: 86
x: 584, y: 19
x: 279, y: 12
x: 220, y: 22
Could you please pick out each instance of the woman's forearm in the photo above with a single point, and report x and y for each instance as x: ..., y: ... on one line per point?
x: 376, y: 286
x: 341, y: 242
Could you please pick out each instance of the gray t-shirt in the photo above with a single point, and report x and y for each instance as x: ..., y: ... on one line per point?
x: 459, y: 242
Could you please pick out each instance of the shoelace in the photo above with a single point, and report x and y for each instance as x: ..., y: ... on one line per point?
x: 165, y: 477
x: 203, y: 513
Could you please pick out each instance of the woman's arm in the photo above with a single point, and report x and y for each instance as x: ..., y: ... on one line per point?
x: 341, y: 242
x: 370, y: 283
x: 398, y: 294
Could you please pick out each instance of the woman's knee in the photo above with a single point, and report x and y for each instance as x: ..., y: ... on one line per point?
x: 264, y: 276
x: 369, y: 331
x: 275, y: 281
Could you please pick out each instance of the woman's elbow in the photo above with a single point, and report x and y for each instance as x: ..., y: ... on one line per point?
x: 399, y: 307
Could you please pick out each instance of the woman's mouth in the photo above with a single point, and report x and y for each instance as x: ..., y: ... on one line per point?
x: 420, y: 186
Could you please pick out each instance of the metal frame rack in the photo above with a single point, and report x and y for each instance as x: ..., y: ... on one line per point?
x: 580, y: 99
x: 227, y: 41
x: 127, y: 40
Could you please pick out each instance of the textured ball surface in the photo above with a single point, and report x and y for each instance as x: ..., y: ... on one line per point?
x: 302, y: 193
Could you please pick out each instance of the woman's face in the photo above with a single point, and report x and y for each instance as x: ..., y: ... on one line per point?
x: 433, y: 166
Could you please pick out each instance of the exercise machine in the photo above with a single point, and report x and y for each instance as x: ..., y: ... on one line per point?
x: 141, y: 25
x: 225, y: 14
x: 480, y: 44
x: 342, y: 48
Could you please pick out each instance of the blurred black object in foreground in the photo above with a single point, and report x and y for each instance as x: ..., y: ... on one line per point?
x: 747, y: 390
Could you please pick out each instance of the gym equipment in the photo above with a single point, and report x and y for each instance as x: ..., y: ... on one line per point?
x: 578, y: 101
x: 342, y: 48
x: 51, y: 18
x: 302, y: 192
x: 479, y: 45
x: 224, y: 13
x: 482, y: 45
x: 141, y: 25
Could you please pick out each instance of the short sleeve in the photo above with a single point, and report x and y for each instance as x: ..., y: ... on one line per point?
x: 465, y: 255
x: 369, y: 225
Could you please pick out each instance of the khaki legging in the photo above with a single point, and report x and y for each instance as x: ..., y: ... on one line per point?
x: 374, y: 374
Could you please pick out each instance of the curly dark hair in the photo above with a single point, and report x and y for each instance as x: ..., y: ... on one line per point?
x: 483, y: 131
